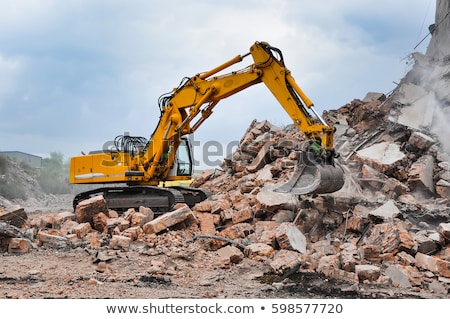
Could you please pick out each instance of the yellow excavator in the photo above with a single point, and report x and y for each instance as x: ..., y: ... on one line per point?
x: 141, y: 165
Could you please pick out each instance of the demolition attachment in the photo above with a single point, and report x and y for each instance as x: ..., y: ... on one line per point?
x: 313, y: 176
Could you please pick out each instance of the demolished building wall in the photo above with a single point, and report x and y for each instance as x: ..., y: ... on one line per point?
x: 439, y: 45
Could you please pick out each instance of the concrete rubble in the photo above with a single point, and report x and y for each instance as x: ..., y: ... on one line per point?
x: 389, y: 224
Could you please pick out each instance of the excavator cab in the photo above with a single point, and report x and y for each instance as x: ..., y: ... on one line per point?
x: 182, y: 165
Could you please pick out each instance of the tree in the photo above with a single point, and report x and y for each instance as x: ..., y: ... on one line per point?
x: 53, y: 177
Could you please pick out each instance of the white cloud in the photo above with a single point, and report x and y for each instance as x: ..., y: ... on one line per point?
x: 10, y: 70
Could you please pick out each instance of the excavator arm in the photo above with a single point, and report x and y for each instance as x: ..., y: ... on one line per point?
x: 190, y: 104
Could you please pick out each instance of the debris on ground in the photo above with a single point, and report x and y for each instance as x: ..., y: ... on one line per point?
x: 388, y: 226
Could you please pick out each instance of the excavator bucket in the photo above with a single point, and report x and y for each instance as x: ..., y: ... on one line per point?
x: 311, y: 177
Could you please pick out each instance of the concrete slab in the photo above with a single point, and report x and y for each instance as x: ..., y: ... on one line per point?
x: 264, y: 174
x: 418, y: 107
x: 387, y: 211
x: 409, y: 94
x: 273, y: 201
x: 386, y: 153
x: 420, y: 175
x: 372, y: 96
x: 420, y: 141
x: 398, y: 276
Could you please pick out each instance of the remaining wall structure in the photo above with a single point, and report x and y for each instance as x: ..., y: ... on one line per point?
x: 439, y: 46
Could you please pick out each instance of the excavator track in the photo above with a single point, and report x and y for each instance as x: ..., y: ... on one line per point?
x: 160, y: 200
x: 192, y: 195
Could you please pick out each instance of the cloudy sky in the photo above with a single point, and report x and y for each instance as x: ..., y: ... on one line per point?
x: 74, y: 74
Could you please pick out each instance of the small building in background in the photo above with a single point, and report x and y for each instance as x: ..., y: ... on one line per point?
x: 21, y: 157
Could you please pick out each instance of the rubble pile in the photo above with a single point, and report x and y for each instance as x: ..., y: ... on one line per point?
x: 389, y: 224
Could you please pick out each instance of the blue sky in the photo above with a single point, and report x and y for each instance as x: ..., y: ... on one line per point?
x: 75, y: 74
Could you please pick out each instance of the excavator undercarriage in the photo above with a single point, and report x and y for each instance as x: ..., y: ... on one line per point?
x: 159, y: 199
